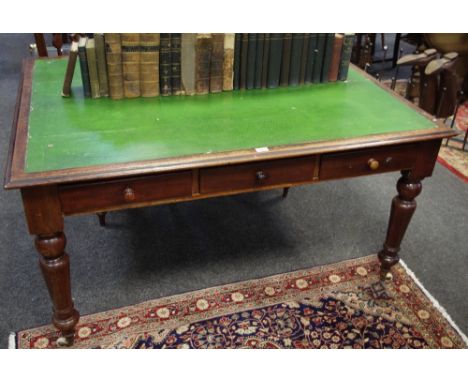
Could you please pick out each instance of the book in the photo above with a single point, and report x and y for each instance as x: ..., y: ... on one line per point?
x: 274, y: 59
x: 84, y: 66
x: 286, y: 59
x: 149, y: 64
x: 304, y: 57
x: 66, y: 89
x: 203, y: 47
x: 237, y: 60
x: 346, y: 51
x: 266, y: 55
x: 327, y: 56
x: 311, y: 53
x: 228, y: 61
x: 165, y: 82
x: 92, y: 67
x: 336, y: 56
x: 296, y: 58
x: 175, y: 63
x: 188, y: 62
x: 319, y: 50
x: 259, y: 61
x: 114, y: 64
x: 131, y: 64
x: 216, y: 63
x: 101, y: 64
x: 251, y: 57
x: 243, y: 60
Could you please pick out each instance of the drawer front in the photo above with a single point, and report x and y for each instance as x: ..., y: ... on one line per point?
x: 367, y: 162
x: 112, y: 194
x: 257, y: 175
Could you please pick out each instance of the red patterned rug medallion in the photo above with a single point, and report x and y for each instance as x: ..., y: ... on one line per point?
x: 342, y: 305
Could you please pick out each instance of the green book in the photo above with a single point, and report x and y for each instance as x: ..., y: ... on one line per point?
x: 251, y: 58
x: 346, y: 51
x: 318, y: 62
x: 311, y: 53
x: 327, y: 56
x: 266, y: 55
x: 84, y: 66
x: 259, y: 60
x: 296, y: 58
x: 286, y: 59
x: 274, y: 59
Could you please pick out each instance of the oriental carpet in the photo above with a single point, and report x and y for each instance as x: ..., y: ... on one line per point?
x: 343, y: 305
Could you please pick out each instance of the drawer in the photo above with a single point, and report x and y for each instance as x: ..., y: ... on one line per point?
x: 257, y: 175
x: 124, y: 192
x: 366, y: 162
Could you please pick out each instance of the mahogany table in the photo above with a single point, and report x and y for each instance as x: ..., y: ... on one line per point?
x: 74, y: 155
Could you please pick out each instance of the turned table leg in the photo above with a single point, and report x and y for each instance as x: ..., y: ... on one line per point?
x: 285, y: 192
x: 102, y: 218
x: 403, y: 207
x: 55, y: 266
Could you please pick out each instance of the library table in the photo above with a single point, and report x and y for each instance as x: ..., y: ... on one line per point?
x: 76, y: 155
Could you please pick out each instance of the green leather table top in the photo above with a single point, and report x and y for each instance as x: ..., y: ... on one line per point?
x: 77, y: 131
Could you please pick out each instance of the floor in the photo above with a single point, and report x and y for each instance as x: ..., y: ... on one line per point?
x: 159, y: 251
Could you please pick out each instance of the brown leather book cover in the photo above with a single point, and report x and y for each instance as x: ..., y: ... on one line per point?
x: 216, y: 64
x: 228, y: 63
x: 188, y: 62
x: 92, y: 68
x: 131, y: 64
x: 101, y: 64
x: 114, y: 65
x: 66, y: 90
x: 149, y: 64
x: 336, y: 56
x: 203, y: 49
x: 286, y: 59
x: 176, y: 43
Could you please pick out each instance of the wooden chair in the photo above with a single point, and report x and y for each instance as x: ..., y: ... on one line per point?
x: 58, y: 39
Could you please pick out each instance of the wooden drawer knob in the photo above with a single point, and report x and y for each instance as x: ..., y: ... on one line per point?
x: 373, y: 164
x: 260, y: 176
x: 129, y: 194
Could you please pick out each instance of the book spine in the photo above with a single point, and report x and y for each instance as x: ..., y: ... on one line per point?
x: 346, y: 51
x: 259, y: 60
x: 266, y: 55
x: 203, y: 50
x: 92, y: 68
x: 336, y: 55
x: 175, y: 63
x: 149, y: 64
x: 237, y: 60
x: 66, y: 90
x: 165, y: 64
x: 216, y: 64
x: 188, y: 62
x: 243, y: 60
x: 84, y: 68
x: 286, y: 59
x: 251, y: 58
x: 114, y: 64
x: 131, y: 64
x: 101, y: 64
x: 296, y: 58
x: 274, y: 59
x: 327, y: 57
x: 304, y: 57
x: 319, y: 50
x: 228, y: 63
x: 311, y: 52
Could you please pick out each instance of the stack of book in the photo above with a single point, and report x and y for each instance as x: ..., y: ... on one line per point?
x: 129, y: 65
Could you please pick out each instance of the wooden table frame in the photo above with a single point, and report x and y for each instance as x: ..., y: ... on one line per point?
x: 49, y: 196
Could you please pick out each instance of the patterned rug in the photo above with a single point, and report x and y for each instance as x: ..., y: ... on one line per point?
x: 342, y: 305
